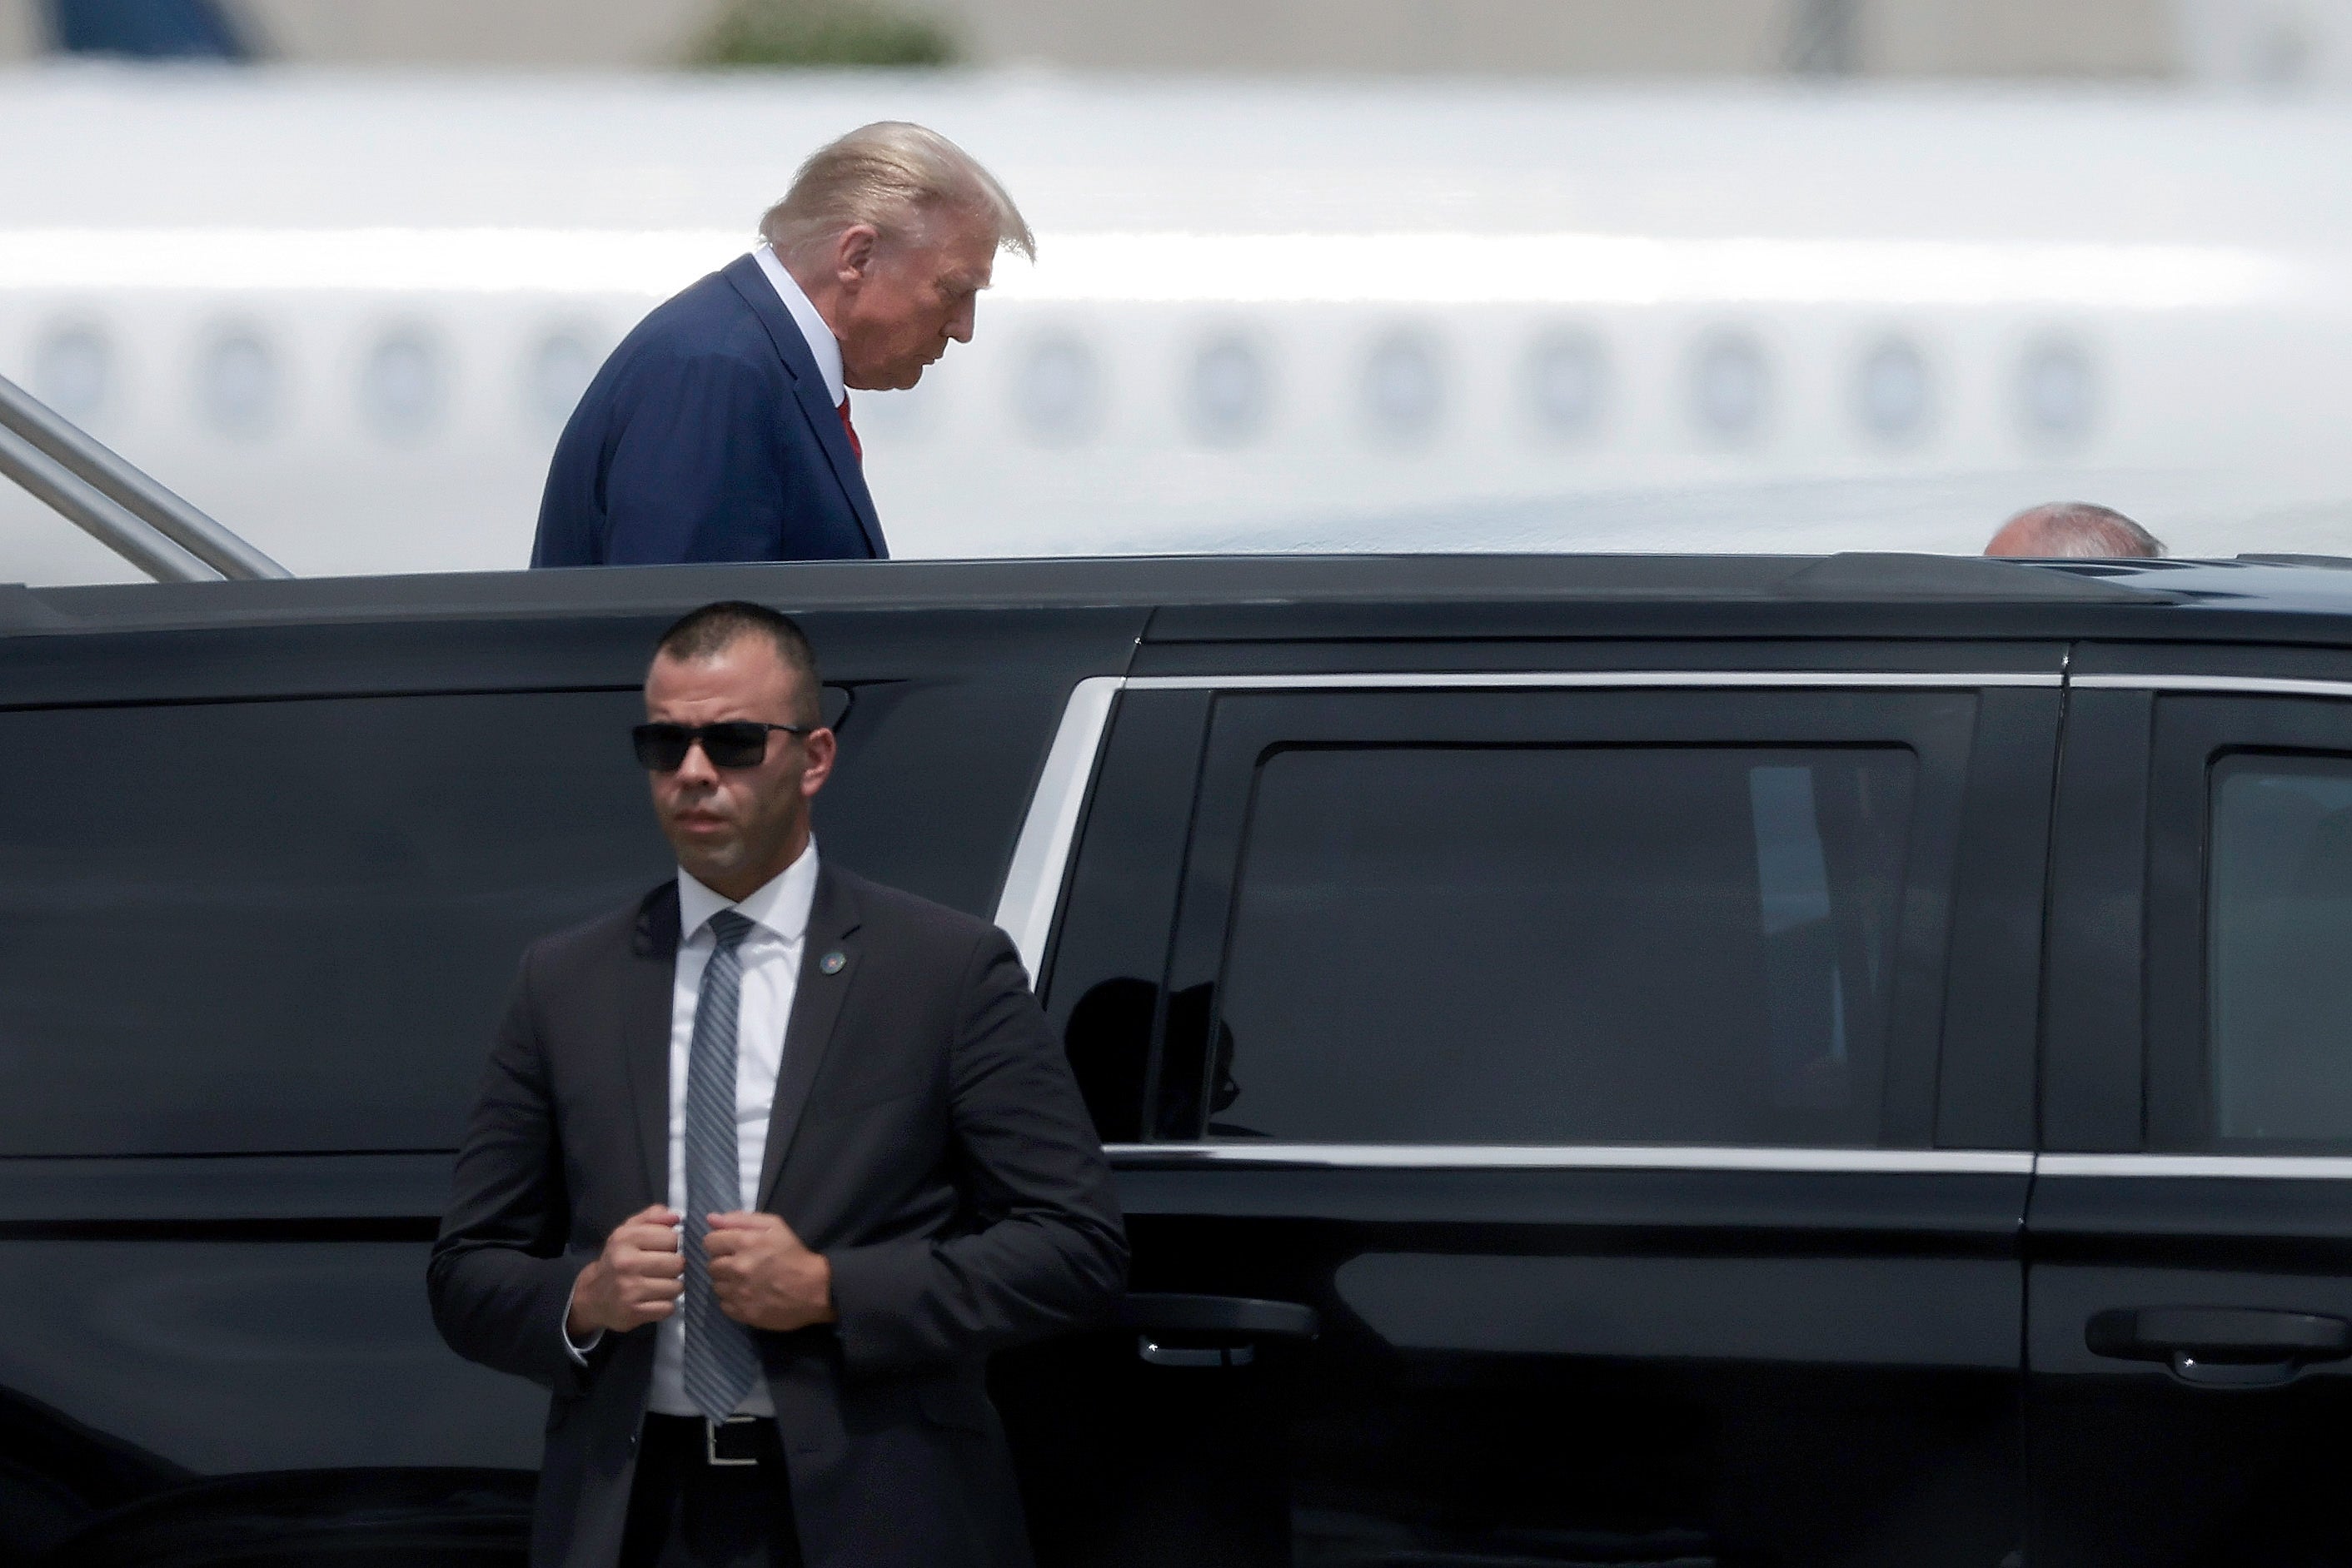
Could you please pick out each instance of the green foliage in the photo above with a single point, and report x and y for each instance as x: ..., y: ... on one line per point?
x: 822, y: 33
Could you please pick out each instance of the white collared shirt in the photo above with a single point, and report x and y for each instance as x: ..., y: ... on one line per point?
x: 823, y: 345
x: 770, y: 953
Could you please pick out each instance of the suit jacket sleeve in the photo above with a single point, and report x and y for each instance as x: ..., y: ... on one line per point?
x: 499, y: 1279
x: 1048, y: 1252
x: 695, y: 474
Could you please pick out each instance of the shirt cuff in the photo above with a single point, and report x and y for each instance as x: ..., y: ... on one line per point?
x: 571, y: 1347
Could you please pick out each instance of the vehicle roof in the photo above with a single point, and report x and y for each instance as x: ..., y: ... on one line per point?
x: 1217, y: 598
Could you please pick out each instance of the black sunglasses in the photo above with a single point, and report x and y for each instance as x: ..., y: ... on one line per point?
x: 731, y: 743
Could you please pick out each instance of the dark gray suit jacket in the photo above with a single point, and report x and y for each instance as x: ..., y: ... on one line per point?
x: 926, y: 1138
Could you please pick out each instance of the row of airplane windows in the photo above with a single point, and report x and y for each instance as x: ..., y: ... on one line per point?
x: 1061, y: 390
x: 240, y: 383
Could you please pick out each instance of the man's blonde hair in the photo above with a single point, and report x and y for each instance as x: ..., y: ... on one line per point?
x: 892, y: 176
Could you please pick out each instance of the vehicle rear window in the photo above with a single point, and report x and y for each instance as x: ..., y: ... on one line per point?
x: 1563, y: 945
x: 290, y: 926
x: 2279, y: 949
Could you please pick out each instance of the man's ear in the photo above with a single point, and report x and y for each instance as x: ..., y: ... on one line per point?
x: 852, y: 254
x: 819, y: 746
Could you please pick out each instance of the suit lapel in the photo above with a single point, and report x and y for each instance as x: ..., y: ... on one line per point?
x: 743, y: 275
x: 828, y: 969
x: 647, y: 985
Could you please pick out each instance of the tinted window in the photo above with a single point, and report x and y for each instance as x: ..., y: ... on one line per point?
x: 290, y: 926
x: 1102, y: 988
x: 1563, y: 945
x: 2280, y: 947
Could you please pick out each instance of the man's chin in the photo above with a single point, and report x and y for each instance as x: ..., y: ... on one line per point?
x: 707, y: 862
x: 886, y: 380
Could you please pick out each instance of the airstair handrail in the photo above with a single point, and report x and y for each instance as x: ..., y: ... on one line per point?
x: 85, y: 506
x: 99, y: 474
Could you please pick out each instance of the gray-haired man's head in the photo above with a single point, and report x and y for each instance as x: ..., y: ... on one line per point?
x: 892, y: 232
x: 2075, y: 530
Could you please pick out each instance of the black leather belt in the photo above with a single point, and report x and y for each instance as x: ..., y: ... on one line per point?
x: 740, y: 1440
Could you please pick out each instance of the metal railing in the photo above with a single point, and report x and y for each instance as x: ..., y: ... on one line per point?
x: 92, y: 487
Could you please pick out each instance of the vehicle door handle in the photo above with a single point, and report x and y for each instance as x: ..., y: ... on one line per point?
x: 1178, y: 1330
x: 2224, y: 1347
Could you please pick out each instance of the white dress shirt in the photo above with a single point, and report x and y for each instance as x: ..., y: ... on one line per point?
x: 822, y: 344
x: 771, y: 954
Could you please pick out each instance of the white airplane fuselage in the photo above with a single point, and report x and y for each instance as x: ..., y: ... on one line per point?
x: 348, y: 315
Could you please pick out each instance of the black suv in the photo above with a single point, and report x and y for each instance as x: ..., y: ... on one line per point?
x: 1614, y: 1060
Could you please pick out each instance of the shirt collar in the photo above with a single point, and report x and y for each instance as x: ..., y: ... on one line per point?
x: 779, y: 905
x: 822, y: 344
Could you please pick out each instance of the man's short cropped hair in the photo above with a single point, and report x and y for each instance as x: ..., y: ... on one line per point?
x: 707, y: 632
x: 891, y: 176
x: 2077, y: 530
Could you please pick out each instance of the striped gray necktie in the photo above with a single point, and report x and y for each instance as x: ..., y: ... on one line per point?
x: 720, y: 1360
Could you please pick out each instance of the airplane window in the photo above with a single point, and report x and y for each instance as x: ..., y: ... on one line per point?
x: 1567, y: 378
x: 561, y: 367
x: 1404, y: 386
x: 1893, y: 391
x: 1229, y: 391
x: 1059, y: 391
x: 1731, y: 386
x: 401, y: 387
x: 73, y: 370
x: 2057, y: 390
x: 238, y: 383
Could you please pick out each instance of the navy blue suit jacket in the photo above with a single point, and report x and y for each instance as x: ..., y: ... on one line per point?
x: 708, y: 435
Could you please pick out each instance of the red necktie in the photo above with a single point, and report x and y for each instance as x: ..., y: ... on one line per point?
x: 856, y: 449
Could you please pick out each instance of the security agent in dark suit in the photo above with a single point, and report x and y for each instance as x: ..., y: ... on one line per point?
x: 721, y: 428
x: 764, y: 1165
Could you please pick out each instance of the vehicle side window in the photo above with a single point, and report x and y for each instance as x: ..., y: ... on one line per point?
x: 2279, y: 947
x: 289, y: 926
x: 2247, y: 924
x: 1567, y: 917
x: 1532, y: 945
x: 1102, y: 989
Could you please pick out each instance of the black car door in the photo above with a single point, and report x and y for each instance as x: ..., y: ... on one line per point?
x: 2190, y: 1232
x: 1628, y: 1073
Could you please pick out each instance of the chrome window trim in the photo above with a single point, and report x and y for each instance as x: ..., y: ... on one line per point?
x: 1642, y: 1156
x: 1711, y: 1157
x: 1030, y: 898
x: 1569, y: 1156
x: 2256, y: 685
x: 1032, y: 882
x: 1591, y: 679
x: 2269, y: 1167
x: 1032, y: 890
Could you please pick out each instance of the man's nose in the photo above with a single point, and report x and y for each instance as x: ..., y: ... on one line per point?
x: 960, y: 324
x: 696, y: 768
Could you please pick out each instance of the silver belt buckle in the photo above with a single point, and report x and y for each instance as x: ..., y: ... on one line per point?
x: 710, y: 1440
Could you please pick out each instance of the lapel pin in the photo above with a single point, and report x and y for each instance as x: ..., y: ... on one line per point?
x: 832, y: 962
